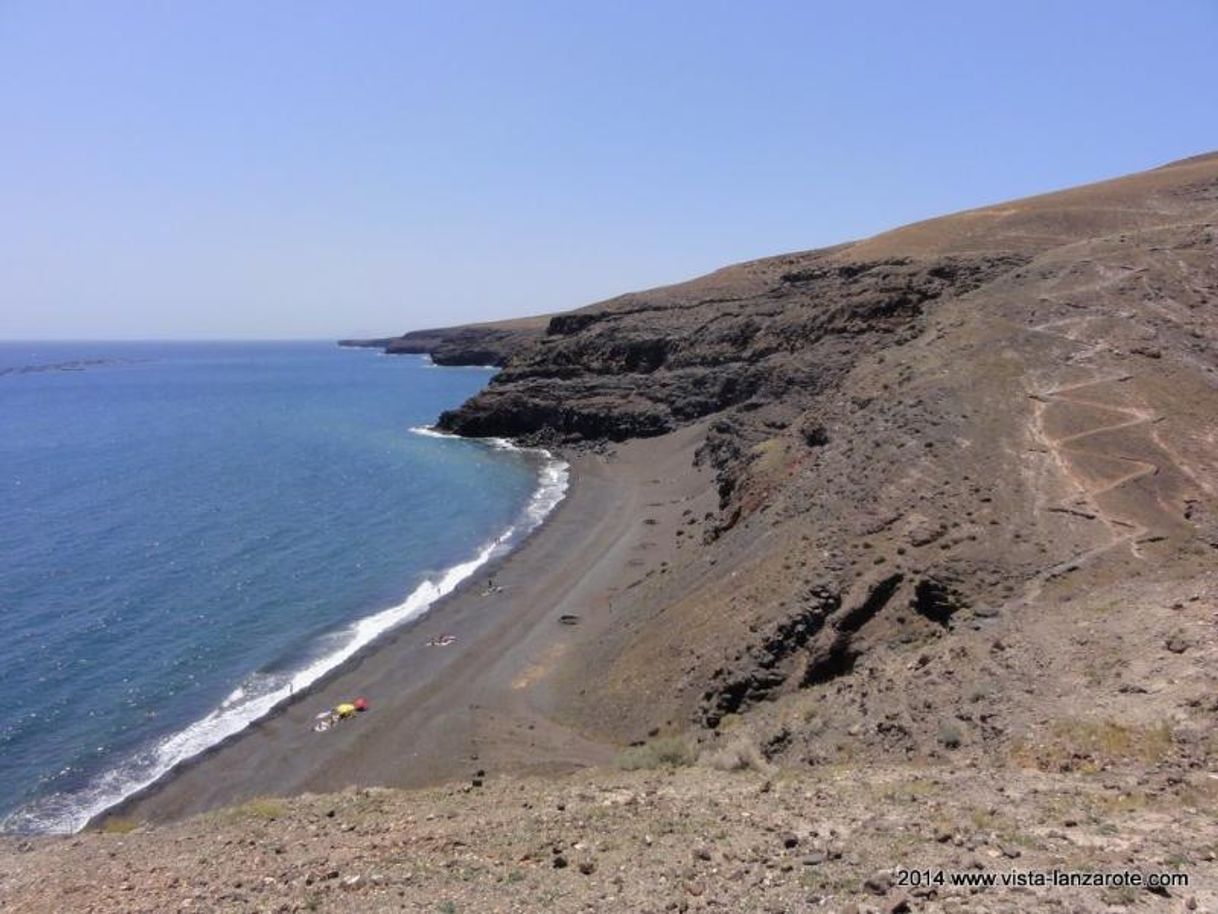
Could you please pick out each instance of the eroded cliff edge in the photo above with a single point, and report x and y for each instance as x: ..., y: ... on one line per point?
x: 472, y: 344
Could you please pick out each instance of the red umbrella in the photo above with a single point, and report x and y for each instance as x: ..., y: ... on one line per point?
x: 361, y: 704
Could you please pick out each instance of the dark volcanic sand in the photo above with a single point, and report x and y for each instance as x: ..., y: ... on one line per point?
x: 484, y: 702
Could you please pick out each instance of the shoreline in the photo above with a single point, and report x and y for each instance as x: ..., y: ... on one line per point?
x: 366, y: 633
x: 275, y: 670
x: 142, y: 772
x: 483, y: 703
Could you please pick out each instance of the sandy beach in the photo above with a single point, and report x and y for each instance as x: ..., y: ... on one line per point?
x: 487, y: 701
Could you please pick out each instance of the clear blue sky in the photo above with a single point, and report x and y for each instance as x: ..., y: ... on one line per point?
x: 300, y: 169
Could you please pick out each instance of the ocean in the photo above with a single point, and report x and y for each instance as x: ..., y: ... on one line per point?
x: 189, y: 532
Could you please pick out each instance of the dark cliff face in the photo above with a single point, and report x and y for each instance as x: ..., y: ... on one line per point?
x: 764, y: 334
x: 462, y: 345
x: 475, y: 344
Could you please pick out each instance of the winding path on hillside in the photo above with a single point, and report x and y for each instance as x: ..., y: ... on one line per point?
x: 1124, y: 530
x: 1083, y: 455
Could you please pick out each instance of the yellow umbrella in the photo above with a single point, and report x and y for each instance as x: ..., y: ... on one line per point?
x: 346, y: 709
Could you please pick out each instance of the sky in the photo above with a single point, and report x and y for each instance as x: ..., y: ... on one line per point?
x: 304, y: 169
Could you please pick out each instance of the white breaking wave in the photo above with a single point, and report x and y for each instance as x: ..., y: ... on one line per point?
x: 428, y: 432
x: 262, y: 692
x: 552, y: 478
x: 429, y: 362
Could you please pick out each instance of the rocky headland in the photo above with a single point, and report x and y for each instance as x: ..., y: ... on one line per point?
x: 473, y: 344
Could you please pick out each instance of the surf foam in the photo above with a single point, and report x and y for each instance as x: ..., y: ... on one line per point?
x: 260, y: 693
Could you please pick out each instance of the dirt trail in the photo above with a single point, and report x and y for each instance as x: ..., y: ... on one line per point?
x: 1123, y: 530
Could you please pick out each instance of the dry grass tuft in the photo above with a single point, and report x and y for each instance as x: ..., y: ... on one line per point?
x: 741, y: 754
x: 265, y: 808
x: 665, y: 752
x: 119, y: 825
x: 1091, y: 745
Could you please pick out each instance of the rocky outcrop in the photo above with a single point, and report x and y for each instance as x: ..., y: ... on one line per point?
x: 775, y: 331
x: 473, y: 344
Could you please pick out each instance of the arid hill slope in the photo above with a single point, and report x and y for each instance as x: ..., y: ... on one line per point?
x: 642, y: 842
x: 958, y: 424
x: 973, y: 429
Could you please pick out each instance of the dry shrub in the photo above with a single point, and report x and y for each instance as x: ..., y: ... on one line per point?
x: 665, y: 752
x: 119, y: 825
x: 1092, y: 745
x: 741, y: 754
x: 265, y: 808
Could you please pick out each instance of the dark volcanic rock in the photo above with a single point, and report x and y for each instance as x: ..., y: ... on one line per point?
x: 776, y: 330
x: 474, y: 344
x: 461, y: 345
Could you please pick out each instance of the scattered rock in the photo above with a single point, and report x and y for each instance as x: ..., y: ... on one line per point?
x: 878, y: 883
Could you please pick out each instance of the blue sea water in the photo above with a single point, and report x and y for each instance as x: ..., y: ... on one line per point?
x: 188, y: 532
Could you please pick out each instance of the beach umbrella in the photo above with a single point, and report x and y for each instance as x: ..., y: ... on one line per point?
x: 346, y: 709
x: 361, y: 704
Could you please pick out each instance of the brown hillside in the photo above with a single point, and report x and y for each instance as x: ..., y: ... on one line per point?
x: 960, y: 426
